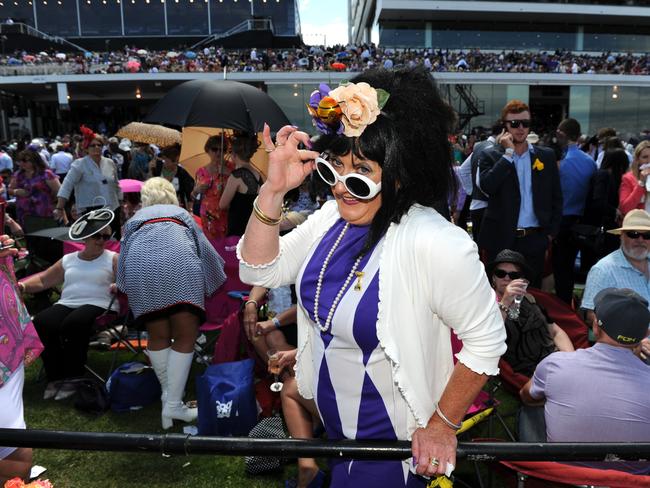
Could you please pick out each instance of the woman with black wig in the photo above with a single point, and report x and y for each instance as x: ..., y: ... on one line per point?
x: 381, y: 277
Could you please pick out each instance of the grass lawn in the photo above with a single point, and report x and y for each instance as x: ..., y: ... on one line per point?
x: 90, y: 469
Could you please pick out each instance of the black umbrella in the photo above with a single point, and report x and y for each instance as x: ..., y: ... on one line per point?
x: 215, y: 103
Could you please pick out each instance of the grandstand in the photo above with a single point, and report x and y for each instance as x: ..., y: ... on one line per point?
x: 580, y: 26
x: 102, y: 24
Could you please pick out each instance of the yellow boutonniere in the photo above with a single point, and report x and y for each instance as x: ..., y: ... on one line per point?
x: 538, y: 165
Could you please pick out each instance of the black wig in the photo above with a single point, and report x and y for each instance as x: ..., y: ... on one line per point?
x: 409, y: 140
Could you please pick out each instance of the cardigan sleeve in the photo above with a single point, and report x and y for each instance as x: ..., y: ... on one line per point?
x: 463, y: 299
x: 630, y: 193
x: 294, y: 248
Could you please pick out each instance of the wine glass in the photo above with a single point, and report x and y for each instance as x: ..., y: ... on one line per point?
x: 274, y: 368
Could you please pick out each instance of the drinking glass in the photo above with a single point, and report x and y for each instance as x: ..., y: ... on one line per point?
x: 274, y: 368
x: 513, y: 312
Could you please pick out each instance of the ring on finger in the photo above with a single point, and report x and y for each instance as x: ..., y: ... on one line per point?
x: 278, y: 144
x: 434, y: 462
x: 269, y: 150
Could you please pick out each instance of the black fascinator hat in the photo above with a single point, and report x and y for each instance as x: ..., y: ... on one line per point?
x: 90, y: 224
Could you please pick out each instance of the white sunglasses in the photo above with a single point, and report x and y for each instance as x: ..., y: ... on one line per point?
x: 358, y: 185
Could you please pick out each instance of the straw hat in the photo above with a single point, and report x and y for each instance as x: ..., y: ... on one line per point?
x: 636, y: 219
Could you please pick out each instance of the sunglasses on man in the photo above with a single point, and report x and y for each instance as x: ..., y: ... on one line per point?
x: 502, y: 273
x: 632, y: 234
x: 515, y: 124
x: 357, y: 185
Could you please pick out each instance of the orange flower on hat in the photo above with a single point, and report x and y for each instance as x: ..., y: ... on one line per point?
x: 359, y: 104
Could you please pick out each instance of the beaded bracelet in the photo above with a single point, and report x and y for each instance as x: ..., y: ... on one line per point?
x: 448, y: 422
x: 262, y: 217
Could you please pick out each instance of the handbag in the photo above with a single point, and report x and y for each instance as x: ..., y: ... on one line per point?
x: 92, y: 396
x: 226, y: 398
x: 133, y: 386
x: 267, y: 428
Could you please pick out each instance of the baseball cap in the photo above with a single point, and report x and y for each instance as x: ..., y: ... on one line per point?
x: 622, y: 314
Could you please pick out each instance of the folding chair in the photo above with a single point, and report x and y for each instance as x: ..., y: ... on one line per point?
x: 565, y: 317
x: 220, y: 307
x: 115, y: 324
x: 574, y: 474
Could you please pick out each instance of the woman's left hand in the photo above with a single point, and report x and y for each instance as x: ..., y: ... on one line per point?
x: 264, y: 327
x: 436, y: 442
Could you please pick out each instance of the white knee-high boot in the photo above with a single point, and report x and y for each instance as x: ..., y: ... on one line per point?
x: 178, y: 369
x: 158, y: 360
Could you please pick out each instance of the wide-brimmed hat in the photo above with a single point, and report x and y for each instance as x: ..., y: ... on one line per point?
x: 622, y: 314
x: 90, y: 224
x: 509, y: 256
x: 636, y: 219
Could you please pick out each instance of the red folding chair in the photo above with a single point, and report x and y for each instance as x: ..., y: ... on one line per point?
x: 563, y: 474
x: 565, y: 317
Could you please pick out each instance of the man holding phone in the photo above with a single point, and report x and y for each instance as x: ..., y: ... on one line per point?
x: 524, y: 194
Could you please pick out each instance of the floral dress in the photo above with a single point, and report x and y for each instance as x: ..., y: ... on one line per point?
x: 40, y: 202
x: 213, y: 219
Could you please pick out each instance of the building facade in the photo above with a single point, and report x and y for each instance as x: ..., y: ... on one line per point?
x: 579, y: 26
x: 575, y: 25
x: 75, y: 19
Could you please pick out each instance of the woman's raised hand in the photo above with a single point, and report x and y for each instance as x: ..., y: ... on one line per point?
x: 288, y: 165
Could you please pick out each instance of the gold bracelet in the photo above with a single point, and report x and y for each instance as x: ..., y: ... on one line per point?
x: 262, y: 217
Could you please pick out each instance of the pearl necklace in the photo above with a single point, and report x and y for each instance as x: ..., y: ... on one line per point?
x: 319, y: 283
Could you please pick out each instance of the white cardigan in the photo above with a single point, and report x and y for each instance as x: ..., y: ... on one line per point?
x: 430, y: 279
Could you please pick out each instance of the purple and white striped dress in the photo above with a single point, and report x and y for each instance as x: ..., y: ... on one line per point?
x: 354, y: 388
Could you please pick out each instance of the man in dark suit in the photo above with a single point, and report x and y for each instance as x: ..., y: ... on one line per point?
x: 524, y: 194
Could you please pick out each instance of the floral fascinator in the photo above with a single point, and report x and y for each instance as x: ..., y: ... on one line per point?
x: 348, y: 109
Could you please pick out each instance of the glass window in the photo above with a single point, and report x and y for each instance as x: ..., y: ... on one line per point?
x: 100, y: 18
x: 281, y: 14
x: 626, y: 112
x: 144, y: 17
x: 187, y: 17
x: 493, y: 98
x: 402, y: 34
x: 17, y: 10
x: 227, y: 14
x: 57, y: 17
x: 291, y: 99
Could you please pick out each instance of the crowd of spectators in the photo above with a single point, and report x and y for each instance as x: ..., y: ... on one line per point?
x: 349, y: 58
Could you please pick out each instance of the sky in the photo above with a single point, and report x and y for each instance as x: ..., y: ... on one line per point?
x: 324, y: 21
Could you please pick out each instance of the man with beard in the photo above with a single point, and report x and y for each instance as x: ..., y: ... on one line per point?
x: 626, y: 267
x: 522, y: 184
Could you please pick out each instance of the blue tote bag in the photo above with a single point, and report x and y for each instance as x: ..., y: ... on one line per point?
x: 226, y: 398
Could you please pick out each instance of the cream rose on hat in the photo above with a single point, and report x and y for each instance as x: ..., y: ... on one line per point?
x: 361, y: 105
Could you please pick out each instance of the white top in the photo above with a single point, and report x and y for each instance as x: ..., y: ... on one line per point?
x: 430, y: 279
x: 60, y: 162
x: 94, y: 185
x: 87, y: 282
